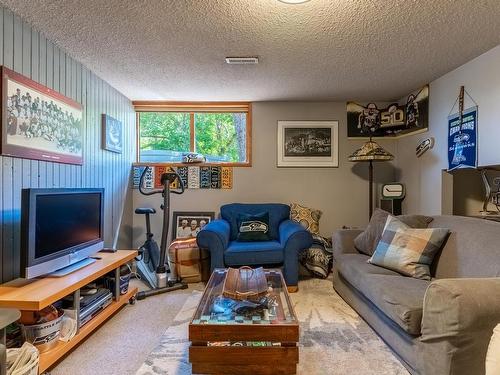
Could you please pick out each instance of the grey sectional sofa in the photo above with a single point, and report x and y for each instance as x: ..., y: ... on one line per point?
x: 436, y: 327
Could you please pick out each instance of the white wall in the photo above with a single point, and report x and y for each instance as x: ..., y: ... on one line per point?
x: 423, y: 176
x: 341, y: 194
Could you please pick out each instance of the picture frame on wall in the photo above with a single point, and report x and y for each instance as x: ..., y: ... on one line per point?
x: 188, y: 224
x: 39, y: 123
x: 308, y: 144
x: 112, y: 134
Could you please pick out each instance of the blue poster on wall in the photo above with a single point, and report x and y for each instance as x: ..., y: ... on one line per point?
x: 462, y: 140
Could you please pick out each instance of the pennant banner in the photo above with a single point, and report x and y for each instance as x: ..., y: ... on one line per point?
x: 462, y: 140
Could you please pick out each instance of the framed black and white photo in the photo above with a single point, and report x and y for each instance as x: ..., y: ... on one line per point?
x: 112, y: 139
x: 189, y: 224
x: 308, y: 144
x: 39, y: 123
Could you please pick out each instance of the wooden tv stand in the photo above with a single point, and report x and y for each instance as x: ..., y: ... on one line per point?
x: 35, y: 294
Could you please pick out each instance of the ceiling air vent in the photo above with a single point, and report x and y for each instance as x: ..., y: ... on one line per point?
x: 242, y: 60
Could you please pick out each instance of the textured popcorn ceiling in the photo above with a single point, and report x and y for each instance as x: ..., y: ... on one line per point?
x: 323, y: 49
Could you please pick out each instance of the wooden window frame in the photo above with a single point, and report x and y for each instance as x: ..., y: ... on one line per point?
x: 192, y: 108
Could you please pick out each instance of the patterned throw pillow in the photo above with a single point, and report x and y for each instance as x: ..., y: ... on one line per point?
x: 407, y: 250
x: 253, y: 227
x: 307, y: 217
x: 368, y: 240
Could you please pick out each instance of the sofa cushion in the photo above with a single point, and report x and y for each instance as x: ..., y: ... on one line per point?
x: 367, y: 241
x: 399, y: 298
x: 278, y: 212
x: 407, y: 250
x: 251, y: 253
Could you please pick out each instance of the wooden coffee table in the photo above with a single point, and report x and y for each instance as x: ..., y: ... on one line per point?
x: 224, y: 342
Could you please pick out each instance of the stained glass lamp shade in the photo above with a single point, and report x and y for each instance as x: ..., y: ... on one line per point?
x: 371, y: 151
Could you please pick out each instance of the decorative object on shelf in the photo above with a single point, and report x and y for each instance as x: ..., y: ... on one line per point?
x: 39, y: 123
x: 371, y: 151
x: 44, y: 333
x: 408, y: 116
x: 424, y: 146
x: 308, y: 144
x: 392, y: 196
x: 490, y: 195
x: 193, y: 157
x: 245, y: 283
x: 189, y: 224
x: 462, y: 134
x: 112, y: 134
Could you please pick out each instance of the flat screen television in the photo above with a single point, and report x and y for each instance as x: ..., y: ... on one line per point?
x: 59, y: 227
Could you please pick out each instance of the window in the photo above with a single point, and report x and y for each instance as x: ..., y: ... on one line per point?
x: 221, y: 132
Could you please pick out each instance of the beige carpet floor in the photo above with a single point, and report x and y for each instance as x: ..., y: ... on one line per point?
x: 334, y: 340
x: 120, y: 346
x: 151, y: 338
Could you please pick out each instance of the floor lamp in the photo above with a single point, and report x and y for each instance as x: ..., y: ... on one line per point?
x: 371, y: 151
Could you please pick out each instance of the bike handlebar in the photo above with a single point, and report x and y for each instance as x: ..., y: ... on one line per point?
x: 158, y: 191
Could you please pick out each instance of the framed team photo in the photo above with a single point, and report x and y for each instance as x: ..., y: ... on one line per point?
x: 38, y: 122
x: 189, y: 224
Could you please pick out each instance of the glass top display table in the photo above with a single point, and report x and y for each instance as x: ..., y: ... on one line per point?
x: 244, y: 337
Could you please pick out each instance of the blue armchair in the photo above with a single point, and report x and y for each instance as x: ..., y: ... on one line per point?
x: 288, y: 238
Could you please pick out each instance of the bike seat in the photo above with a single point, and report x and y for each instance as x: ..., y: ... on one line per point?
x: 145, y: 210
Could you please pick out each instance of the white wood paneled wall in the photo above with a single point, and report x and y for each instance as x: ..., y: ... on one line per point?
x: 28, y: 52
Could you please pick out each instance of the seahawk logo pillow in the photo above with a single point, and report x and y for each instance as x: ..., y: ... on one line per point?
x: 253, y: 227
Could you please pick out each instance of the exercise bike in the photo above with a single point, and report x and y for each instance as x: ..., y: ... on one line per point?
x: 151, y: 261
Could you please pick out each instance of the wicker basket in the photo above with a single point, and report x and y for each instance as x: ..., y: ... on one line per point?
x: 245, y: 283
x: 28, y: 364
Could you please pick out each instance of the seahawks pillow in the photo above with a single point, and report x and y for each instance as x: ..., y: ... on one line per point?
x: 253, y: 227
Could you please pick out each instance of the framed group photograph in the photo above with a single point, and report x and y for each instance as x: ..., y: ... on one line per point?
x: 189, y: 224
x: 308, y: 144
x: 112, y: 138
x: 38, y: 122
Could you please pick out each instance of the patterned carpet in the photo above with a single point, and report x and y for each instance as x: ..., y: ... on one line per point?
x: 334, y: 339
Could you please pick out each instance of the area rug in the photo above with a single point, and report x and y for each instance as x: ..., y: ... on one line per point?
x: 334, y: 339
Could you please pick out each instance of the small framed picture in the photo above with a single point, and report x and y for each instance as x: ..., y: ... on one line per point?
x: 112, y: 138
x: 189, y: 224
x: 308, y: 144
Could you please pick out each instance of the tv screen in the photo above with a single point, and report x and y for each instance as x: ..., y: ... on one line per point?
x: 66, y: 220
x: 59, y: 227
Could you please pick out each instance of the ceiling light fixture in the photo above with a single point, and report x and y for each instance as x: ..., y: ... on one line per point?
x: 294, y: 1
x: 242, y: 60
